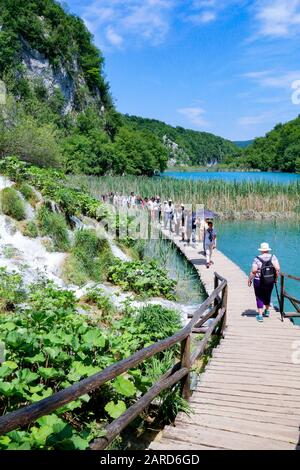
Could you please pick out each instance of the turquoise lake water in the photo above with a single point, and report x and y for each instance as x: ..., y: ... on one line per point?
x: 240, y: 240
x: 284, y: 178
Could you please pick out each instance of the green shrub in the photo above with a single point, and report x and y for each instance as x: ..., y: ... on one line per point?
x: 90, y: 258
x: 96, y: 297
x: 54, y: 226
x: 143, y: 278
x: 159, y: 322
x: 11, y: 290
x: 30, y: 229
x: 28, y: 193
x: 12, y: 205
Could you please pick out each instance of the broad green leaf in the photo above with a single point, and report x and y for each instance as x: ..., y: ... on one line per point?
x: 7, y: 389
x: 9, y: 326
x: 50, y: 373
x: 115, y: 409
x: 12, y: 365
x: 94, y: 338
x: 25, y: 375
x: 79, y: 443
x: 37, y: 359
x: 5, y: 371
x: 124, y: 387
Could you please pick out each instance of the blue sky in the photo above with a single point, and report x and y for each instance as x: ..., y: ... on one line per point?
x: 222, y: 66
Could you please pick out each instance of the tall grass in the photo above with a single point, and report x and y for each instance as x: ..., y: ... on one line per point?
x: 217, y: 195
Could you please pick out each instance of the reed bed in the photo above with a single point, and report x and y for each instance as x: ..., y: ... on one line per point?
x: 222, y: 197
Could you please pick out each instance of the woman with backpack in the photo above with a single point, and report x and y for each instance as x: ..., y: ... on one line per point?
x: 264, y: 272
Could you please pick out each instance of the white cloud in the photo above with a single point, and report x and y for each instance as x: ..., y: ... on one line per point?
x: 254, y: 120
x: 273, y: 78
x: 117, y: 21
x: 113, y: 38
x: 194, y: 115
x: 278, y: 18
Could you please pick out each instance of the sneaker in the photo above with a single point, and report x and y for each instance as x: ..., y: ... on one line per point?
x: 266, y: 313
x: 259, y: 318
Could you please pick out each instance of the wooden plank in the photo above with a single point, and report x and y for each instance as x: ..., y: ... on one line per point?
x: 225, y: 439
x: 246, y: 406
x: 252, y: 415
x: 269, y: 389
x: 243, y: 426
x: 172, y: 444
x: 248, y: 396
x: 247, y: 380
x: 253, y: 372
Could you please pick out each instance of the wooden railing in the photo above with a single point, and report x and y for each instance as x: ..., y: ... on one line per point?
x: 284, y: 295
x: 214, y: 307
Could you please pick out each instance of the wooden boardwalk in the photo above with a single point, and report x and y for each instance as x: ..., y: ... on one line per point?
x: 249, y: 395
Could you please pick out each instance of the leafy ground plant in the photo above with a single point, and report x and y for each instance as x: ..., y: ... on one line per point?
x: 11, y: 290
x: 49, y: 346
x: 143, y: 278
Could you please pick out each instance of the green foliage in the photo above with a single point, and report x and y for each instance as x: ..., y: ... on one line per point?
x: 143, y: 278
x: 31, y: 141
x: 97, y: 297
x: 158, y: 321
x: 49, y: 346
x: 195, y: 148
x: 30, y: 229
x: 279, y: 150
x: 139, y: 153
x: 11, y: 290
x: 55, y: 33
x: 52, y: 184
x: 28, y: 193
x: 90, y: 258
x: 11, y: 204
x: 54, y: 226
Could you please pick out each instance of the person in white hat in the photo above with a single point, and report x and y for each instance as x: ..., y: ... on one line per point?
x: 264, y: 272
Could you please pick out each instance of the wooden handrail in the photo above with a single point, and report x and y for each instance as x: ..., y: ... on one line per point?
x: 285, y: 295
x: 289, y: 276
x: 180, y: 372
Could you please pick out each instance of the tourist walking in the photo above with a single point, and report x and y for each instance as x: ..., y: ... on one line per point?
x: 264, y: 274
x: 210, y: 243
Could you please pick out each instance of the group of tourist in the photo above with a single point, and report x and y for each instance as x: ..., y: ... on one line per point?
x: 192, y: 228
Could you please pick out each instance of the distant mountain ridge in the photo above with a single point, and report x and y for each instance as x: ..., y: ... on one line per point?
x: 243, y: 143
x: 186, y: 146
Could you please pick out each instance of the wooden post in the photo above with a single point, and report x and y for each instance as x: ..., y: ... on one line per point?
x: 282, y: 287
x: 215, y: 287
x: 224, y: 305
x: 186, y: 363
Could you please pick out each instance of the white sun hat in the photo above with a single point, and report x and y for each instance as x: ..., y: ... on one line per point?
x: 265, y: 247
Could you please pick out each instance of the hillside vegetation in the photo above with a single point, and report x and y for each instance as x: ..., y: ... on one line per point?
x: 279, y: 150
x: 58, y: 110
x: 185, y: 145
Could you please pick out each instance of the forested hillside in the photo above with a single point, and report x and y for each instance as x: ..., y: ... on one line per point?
x: 185, y: 145
x: 279, y: 150
x: 56, y: 106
